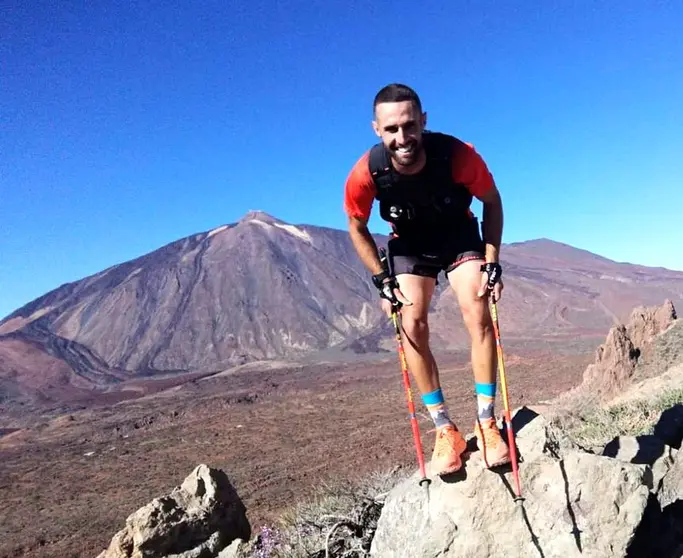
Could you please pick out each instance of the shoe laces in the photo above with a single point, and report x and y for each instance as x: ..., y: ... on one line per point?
x: 447, y: 434
x: 490, y: 433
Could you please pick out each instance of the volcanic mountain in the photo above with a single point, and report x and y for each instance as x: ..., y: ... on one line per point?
x: 261, y: 289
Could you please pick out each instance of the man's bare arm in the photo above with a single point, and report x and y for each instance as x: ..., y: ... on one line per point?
x: 364, y: 244
x: 492, y: 223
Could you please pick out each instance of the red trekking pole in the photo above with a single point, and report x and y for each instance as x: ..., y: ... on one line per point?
x: 424, y: 481
x: 503, y: 383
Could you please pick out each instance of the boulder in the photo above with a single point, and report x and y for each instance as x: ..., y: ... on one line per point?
x: 647, y: 450
x: 669, y: 429
x: 672, y: 484
x: 575, y: 503
x: 198, y: 519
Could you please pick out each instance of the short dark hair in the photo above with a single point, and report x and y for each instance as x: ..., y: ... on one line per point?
x: 395, y: 93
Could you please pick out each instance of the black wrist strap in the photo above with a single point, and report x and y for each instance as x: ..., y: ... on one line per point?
x: 379, y: 278
x: 494, y: 271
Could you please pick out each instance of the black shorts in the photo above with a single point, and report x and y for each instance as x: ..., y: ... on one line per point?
x: 428, y: 259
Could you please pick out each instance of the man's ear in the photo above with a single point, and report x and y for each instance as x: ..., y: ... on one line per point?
x: 375, y: 127
x: 424, y: 120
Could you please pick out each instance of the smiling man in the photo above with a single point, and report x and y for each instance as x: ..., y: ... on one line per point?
x: 425, y: 183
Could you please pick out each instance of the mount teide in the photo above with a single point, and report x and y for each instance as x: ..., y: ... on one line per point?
x: 265, y: 289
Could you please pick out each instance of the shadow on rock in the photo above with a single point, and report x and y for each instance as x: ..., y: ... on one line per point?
x: 641, y: 450
x: 660, y: 534
x: 576, y: 532
x: 669, y: 427
x: 520, y: 506
x: 461, y: 475
x: 522, y: 418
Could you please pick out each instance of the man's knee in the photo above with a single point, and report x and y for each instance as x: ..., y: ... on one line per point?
x: 475, y: 314
x: 416, y: 327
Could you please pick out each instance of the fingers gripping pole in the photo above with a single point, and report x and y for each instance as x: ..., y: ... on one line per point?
x: 424, y: 481
x: 506, y: 403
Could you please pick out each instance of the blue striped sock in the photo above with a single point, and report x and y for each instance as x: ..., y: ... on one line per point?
x: 486, y: 396
x: 436, y: 406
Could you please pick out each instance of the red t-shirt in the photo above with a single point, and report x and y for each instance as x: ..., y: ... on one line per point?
x: 468, y: 168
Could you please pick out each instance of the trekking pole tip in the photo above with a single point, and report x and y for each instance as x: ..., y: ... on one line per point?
x: 424, y: 483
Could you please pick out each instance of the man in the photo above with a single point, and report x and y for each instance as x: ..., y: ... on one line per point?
x: 425, y: 183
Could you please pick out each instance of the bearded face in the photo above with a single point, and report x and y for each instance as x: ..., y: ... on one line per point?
x: 400, y: 125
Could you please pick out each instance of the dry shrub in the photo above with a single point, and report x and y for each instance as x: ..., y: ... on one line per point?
x: 339, y: 521
x: 591, y: 425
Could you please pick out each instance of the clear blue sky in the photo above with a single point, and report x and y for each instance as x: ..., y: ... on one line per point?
x: 127, y: 125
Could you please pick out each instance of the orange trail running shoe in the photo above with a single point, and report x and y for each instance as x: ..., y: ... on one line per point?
x: 489, y: 441
x: 448, y: 448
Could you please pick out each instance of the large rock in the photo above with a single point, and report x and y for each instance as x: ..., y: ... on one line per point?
x: 669, y: 428
x: 575, y: 504
x: 615, y: 362
x: 672, y: 485
x: 199, y: 519
x: 645, y: 449
x: 645, y: 323
x: 616, y: 359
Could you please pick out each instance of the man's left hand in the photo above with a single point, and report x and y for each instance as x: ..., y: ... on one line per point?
x: 491, y: 281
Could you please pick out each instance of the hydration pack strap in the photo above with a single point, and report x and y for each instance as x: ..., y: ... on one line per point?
x: 380, y: 166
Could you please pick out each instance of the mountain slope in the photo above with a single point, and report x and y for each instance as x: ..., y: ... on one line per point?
x: 261, y: 288
x: 255, y: 289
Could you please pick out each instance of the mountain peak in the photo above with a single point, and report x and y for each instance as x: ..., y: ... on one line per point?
x: 257, y: 214
x: 270, y: 223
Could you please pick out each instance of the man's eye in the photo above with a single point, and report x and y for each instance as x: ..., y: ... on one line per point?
x: 392, y: 129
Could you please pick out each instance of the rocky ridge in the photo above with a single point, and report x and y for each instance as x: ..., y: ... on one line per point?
x: 621, y: 499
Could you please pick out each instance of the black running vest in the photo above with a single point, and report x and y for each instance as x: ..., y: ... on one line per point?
x: 427, y: 204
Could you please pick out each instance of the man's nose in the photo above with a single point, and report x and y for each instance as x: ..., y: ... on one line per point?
x: 400, y: 136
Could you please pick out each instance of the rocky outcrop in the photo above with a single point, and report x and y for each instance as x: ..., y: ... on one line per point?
x: 615, y: 363
x: 616, y: 359
x: 646, y: 323
x: 575, y: 503
x: 625, y: 501
x: 202, y: 518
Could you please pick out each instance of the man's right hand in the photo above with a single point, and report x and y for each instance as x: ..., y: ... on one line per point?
x: 391, y: 296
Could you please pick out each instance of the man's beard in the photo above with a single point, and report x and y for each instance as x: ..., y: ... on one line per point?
x: 406, y: 158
